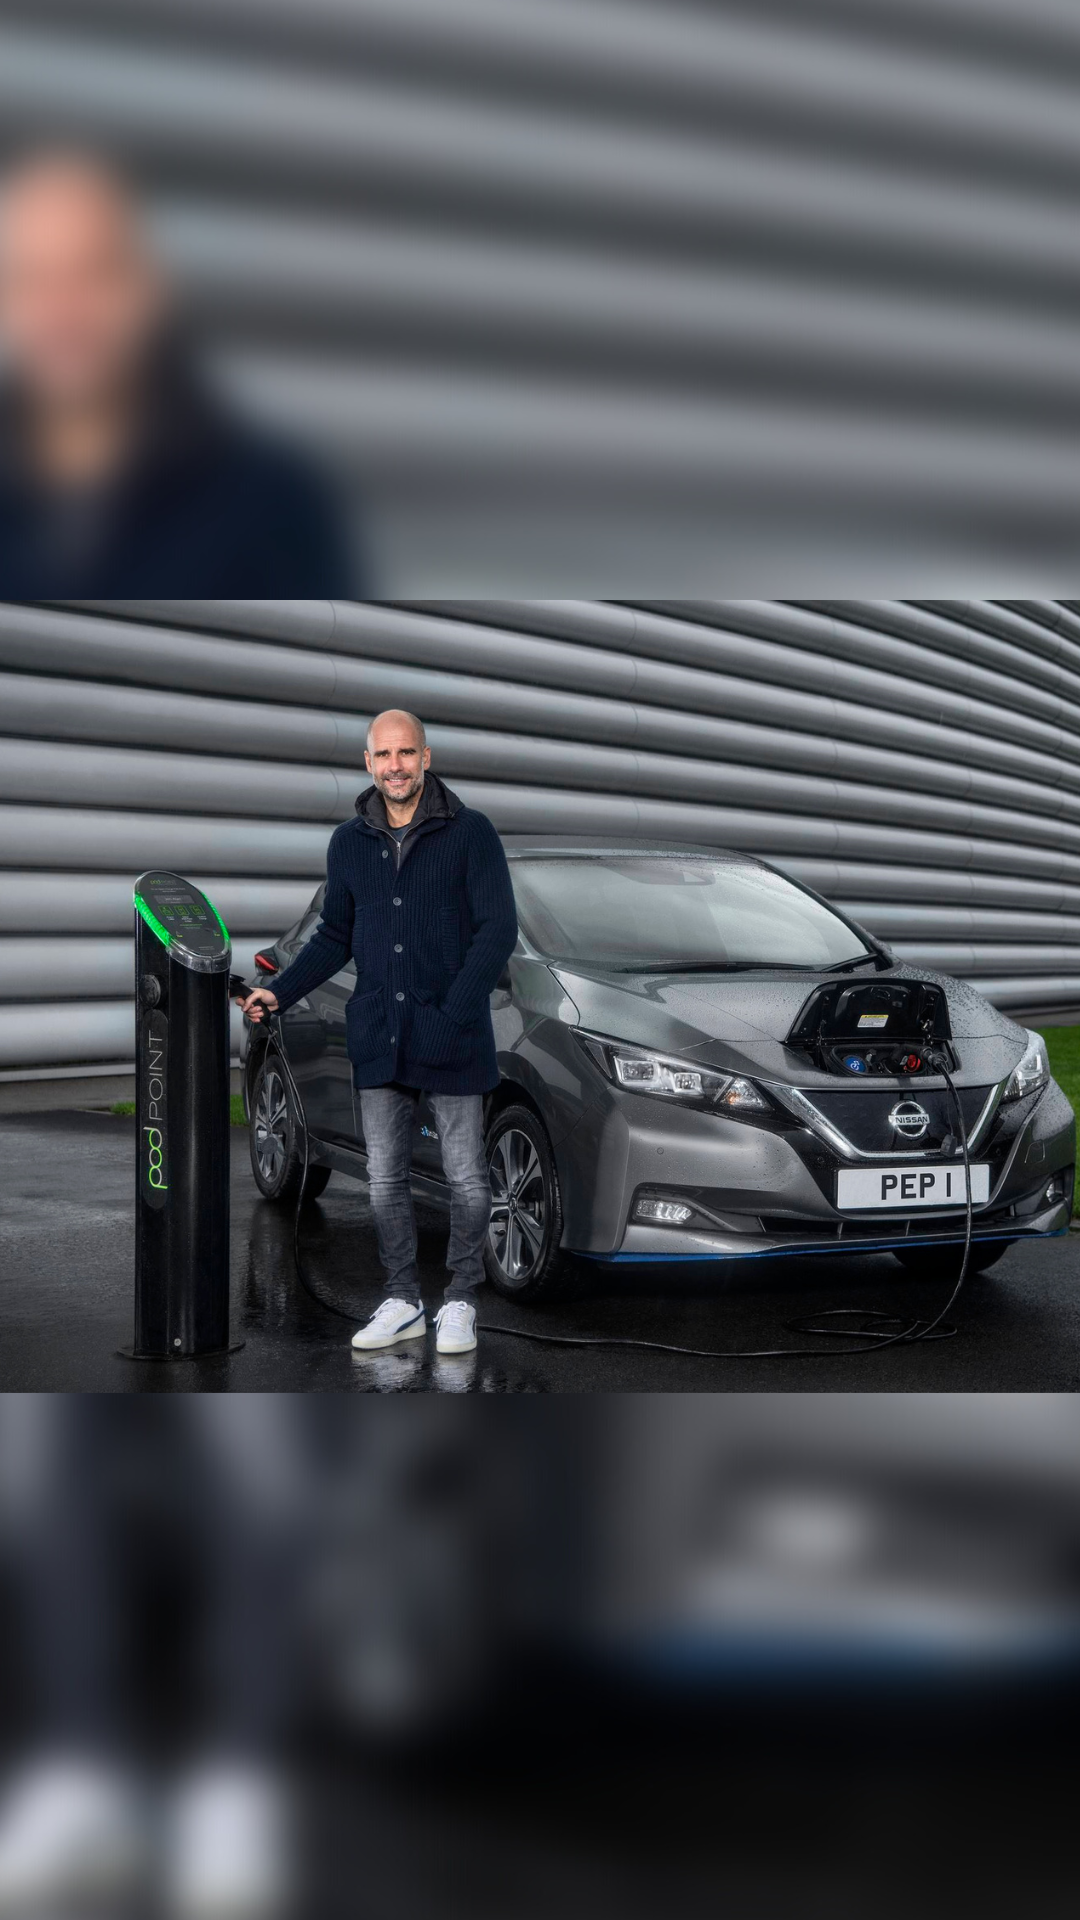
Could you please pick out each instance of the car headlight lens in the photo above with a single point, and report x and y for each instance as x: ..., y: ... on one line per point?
x: 642, y: 1072
x: 1033, y: 1072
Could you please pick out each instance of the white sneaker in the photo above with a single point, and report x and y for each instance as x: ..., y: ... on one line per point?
x: 395, y: 1320
x: 229, y: 1852
x: 71, y: 1833
x: 456, y: 1324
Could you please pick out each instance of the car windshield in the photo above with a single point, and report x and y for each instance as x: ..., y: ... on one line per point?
x: 641, y: 911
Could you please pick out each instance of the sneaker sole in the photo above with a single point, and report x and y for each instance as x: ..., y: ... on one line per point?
x: 459, y: 1346
x: 395, y: 1339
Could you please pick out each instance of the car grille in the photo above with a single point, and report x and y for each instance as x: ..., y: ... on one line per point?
x: 862, y: 1116
x: 946, y: 1226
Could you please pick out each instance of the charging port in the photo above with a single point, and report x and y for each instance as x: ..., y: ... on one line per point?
x: 906, y: 1022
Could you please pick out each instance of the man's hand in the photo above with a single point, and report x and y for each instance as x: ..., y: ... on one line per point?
x: 253, y: 1005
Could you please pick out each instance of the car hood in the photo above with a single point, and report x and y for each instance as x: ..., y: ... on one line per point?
x: 740, y: 1021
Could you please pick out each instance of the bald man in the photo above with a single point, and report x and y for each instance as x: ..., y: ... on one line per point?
x: 120, y: 471
x: 417, y: 893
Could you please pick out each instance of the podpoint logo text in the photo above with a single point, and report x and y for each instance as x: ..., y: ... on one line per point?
x: 153, y: 1135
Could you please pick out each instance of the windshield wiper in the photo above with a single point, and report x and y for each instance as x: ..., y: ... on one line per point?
x: 861, y: 960
x: 715, y: 966
x: 737, y: 966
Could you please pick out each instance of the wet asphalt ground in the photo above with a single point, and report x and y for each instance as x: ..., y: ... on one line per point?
x: 66, y: 1280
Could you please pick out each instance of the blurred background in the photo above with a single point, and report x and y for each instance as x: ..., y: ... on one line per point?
x: 916, y: 762
x: 280, y: 1653
x: 596, y: 295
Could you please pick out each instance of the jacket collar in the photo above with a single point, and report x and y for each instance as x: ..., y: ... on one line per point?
x: 436, y: 802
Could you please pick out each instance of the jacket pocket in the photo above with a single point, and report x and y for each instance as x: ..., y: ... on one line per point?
x: 435, y: 1041
x: 366, y: 1031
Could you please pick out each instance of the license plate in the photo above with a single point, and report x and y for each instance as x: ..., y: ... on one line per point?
x: 906, y: 1187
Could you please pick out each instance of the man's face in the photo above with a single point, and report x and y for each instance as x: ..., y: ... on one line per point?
x: 395, y: 761
x: 79, y: 298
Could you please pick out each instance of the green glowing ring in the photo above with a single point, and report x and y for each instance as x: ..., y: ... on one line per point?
x: 224, y: 929
x: 151, y: 919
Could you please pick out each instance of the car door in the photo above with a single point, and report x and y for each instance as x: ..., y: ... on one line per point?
x: 315, y: 1034
x: 335, y: 1101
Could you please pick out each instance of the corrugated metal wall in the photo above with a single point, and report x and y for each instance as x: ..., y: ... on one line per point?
x: 772, y: 285
x: 919, y: 764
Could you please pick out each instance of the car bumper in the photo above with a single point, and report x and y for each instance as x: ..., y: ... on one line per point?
x: 771, y: 1193
x: 642, y: 1243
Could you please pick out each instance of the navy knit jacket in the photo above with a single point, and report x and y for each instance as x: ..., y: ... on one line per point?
x: 430, y: 938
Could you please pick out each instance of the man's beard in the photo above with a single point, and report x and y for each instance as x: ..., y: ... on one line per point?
x: 402, y: 797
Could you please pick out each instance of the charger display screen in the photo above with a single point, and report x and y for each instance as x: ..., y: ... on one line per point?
x: 183, y: 919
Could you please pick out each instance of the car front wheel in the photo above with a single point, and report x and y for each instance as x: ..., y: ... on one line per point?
x: 522, y: 1255
x: 276, y: 1140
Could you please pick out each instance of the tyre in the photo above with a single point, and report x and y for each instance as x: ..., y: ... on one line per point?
x: 276, y: 1141
x: 522, y: 1255
x: 932, y: 1263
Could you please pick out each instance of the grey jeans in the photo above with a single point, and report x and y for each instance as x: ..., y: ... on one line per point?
x: 388, y: 1115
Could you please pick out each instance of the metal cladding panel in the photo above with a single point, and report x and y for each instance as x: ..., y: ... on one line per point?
x: 918, y: 764
x: 776, y: 292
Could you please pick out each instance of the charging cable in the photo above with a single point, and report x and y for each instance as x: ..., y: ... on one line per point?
x: 273, y: 1039
x: 908, y: 1333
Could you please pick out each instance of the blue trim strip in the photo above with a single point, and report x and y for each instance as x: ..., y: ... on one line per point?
x: 832, y: 1246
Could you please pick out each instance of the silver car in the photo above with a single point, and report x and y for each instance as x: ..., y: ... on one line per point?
x: 703, y: 1060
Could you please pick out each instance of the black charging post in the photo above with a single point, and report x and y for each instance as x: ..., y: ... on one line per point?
x: 182, y: 954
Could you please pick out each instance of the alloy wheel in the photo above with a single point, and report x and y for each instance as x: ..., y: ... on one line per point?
x: 518, y: 1204
x: 271, y: 1126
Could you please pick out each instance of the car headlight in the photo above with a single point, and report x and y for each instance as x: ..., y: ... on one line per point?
x: 640, y: 1071
x: 1033, y: 1072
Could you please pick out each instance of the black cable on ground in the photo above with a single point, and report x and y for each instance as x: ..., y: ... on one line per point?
x: 272, y: 1040
x: 909, y: 1332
